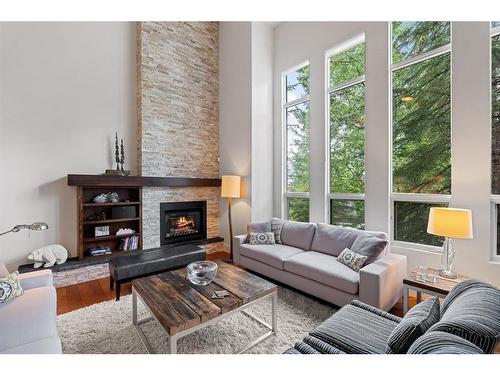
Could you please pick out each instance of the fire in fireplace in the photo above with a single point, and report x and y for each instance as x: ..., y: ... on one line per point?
x: 183, y: 221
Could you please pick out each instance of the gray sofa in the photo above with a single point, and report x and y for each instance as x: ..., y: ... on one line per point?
x: 29, y: 321
x: 306, y: 260
x: 468, y: 322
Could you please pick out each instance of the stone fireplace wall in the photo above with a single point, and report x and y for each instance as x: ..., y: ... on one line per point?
x: 177, y: 113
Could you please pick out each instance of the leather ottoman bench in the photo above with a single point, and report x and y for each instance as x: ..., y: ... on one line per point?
x: 127, y: 267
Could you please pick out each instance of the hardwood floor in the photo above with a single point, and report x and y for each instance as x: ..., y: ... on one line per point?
x: 74, y: 297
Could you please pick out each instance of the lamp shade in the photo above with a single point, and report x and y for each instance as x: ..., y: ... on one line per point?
x: 231, y: 187
x: 450, y: 222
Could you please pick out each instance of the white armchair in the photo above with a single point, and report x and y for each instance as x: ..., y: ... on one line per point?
x: 29, y: 321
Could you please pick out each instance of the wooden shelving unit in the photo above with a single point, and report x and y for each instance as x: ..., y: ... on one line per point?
x: 129, y: 196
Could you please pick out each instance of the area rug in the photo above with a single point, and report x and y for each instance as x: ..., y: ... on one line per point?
x: 107, y: 328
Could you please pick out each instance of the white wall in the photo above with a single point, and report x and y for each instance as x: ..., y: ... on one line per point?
x: 262, y: 120
x: 297, y: 42
x: 65, y: 88
x: 246, y: 119
x: 235, y: 119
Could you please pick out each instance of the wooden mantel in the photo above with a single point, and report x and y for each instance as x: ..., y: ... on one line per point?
x: 88, y: 180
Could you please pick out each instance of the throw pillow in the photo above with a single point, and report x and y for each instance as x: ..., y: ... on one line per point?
x: 261, y: 238
x: 276, y: 227
x: 369, y: 245
x: 351, y: 259
x: 258, y: 228
x: 10, y: 287
x: 413, y: 325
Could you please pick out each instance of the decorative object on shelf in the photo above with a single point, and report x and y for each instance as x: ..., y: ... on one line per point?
x: 97, y: 216
x: 124, y: 231
x: 35, y: 226
x: 220, y: 294
x: 202, y: 272
x: 100, y: 250
x: 50, y: 255
x: 449, y: 223
x: 123, y: 212
x: 120, y: 160
x: 101, y: 231
x: 230, y: 188
x: 110, y: 197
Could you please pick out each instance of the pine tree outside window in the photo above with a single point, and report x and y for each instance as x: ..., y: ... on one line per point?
x: 346, y: 133
x: 297, y: 147
x: 421, y: 127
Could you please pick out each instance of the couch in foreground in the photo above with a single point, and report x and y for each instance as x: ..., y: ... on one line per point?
x: 28, y: 322
x: 467, y: 322
x: 307, y: 260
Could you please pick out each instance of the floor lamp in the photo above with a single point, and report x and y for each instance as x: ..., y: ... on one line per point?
x: 231, y: 188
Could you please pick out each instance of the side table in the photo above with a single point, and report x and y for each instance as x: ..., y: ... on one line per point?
x: 440, y: 288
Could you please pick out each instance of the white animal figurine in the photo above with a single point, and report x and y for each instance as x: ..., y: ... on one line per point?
x: 49, y: 255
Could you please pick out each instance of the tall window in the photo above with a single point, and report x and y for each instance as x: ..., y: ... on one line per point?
x: 421, y: 126
x: 296, y: 118
x: 346, y: 109
x: 495, y: 125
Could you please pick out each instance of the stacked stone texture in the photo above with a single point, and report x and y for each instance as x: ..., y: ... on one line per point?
x: 177, y: 109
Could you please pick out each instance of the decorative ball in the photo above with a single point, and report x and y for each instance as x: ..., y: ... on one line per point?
x: 202, y: 272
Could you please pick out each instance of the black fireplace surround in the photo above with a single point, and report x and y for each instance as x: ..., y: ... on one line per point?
x: 183, y: 221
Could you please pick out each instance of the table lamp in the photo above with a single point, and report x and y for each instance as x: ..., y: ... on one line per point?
x: 449, y: 223
x: 231, y: 188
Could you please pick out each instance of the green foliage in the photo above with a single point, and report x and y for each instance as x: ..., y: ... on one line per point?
x: 298, y: 209
x: 422, y: 127
x: 349, y: 213
x: 411, y: 223
x: 298, y: 148
x: 347, y: 140
x: 413, y: 38
x: 347, y: 65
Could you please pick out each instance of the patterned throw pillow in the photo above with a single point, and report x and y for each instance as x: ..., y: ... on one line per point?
x: 413, y: 325
x: 266, y: 238
x: 276, y: 227
x: 10, y: 287
x: 351, y: 259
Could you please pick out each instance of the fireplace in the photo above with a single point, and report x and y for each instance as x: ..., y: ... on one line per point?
x: 183, y: 221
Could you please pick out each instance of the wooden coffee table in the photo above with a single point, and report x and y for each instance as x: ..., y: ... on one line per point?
x: 182, y: 308
x: 440, y: 288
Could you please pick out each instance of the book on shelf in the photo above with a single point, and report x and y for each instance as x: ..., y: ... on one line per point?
x: 129, y: 243
x: 101, y: 250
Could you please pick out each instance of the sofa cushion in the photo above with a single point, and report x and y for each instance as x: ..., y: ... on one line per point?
x: 259, y: 227
x: 276, y: 228
x: 266, y: 238
x: 413, y: 325
x: 3, y: 270
x: 355, y: 331
x: 369, y: 245
x: 298, y: 234
x: 352, y: 260
x: 332, y: 239
x: 324, y: 269
x: 442, y: 343
x: 472, y: 311
x: 273, y: 255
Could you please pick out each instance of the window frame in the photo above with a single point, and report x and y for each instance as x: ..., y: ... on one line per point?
x: 494, y: 198
x: 413, y: 197
x: 329, y: 89
x: 285, y: 194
